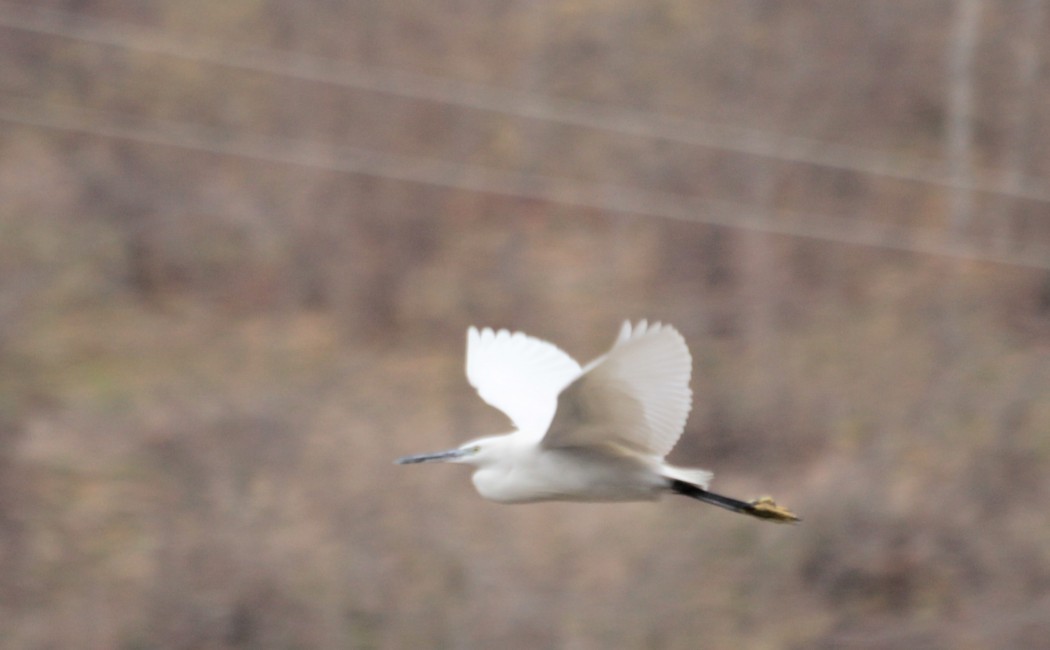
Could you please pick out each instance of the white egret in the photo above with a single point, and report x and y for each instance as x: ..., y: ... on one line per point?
x: 596, y: 433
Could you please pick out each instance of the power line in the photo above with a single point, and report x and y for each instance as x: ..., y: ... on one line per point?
x: 591, y: 115
x: 475, y: 178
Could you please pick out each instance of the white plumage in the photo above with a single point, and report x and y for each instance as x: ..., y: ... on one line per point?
x: 596, y: 433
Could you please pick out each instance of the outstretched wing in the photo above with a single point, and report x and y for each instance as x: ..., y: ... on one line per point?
x: 519, y: 375
x: 636, y: 396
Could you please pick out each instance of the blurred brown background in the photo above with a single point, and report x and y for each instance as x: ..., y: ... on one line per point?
x: 240, y: 243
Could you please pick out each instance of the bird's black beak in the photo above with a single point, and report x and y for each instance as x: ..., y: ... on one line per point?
x: 436, y: 457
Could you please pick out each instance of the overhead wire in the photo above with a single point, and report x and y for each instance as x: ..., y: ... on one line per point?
x: 476, y: 178
x: 529, y: 105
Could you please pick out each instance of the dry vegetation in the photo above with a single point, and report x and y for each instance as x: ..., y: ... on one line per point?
x: 208, y: 361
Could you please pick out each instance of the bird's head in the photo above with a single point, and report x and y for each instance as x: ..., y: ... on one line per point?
x: 476, y: 452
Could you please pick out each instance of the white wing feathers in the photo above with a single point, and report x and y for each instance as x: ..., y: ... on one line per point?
x: 636, y: 396
x: 519, y: 375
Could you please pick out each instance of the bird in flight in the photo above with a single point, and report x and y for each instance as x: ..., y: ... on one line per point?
x: 594, y: 433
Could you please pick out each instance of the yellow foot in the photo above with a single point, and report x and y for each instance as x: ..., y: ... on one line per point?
x: 767, y: 508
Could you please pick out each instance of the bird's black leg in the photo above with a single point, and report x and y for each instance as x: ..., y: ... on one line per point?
x: 764, y: 508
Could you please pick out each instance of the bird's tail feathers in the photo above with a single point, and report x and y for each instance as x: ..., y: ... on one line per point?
x: 698, y: 477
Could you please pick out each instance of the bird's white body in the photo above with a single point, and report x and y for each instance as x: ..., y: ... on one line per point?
x: 569, y: 474
x: 593, y: 433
